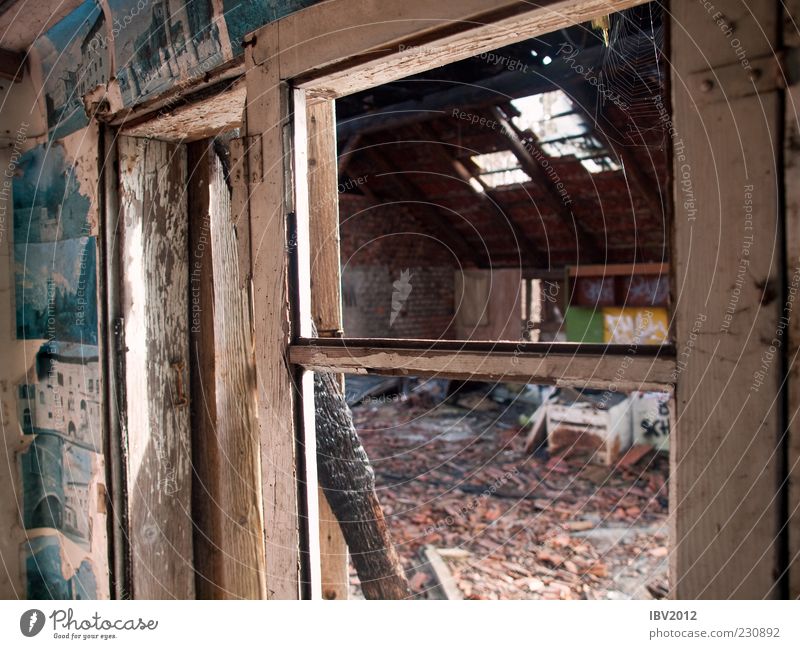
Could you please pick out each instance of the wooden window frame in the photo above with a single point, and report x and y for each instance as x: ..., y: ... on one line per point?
x: 340, y: 47
x: 293, y: 66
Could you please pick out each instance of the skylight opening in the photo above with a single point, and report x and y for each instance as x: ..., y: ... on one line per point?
x: 602, y: 163
x: 561, y: 130
x: 499, y: 168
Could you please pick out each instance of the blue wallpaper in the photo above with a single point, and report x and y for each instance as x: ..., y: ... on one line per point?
x: 154, y: 44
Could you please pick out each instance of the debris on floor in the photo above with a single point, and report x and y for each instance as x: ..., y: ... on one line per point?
x: 507, y: 524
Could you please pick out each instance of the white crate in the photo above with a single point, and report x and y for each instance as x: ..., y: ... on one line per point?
x: 583, y: 426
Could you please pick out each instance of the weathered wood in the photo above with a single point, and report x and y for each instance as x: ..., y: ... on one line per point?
x: 197, y: 120
x: 791, y: 157
x: 444, y: 577
x: 205, y: 463
x: 229, y: 549
x: 326, y: 303
x: 348, y: 50
x: 155, y: 310
x: 267, y: 113
x: 725, y: 448
x: 240, y: 206
x: 494, y: 362
x: 242, y: 529
x: 349, y: 485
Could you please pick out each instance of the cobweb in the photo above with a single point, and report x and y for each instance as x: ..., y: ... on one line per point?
x: 632, y: 71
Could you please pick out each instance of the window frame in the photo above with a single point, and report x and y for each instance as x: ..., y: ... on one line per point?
x: 293, y: 67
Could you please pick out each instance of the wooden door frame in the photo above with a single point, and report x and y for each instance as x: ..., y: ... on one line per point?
x: 337, y: 48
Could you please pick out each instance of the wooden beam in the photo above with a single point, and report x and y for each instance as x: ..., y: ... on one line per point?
x: 12, y: 65
x: 725, y: 449
x: 605, y: 270
x: 154, y: 304
x: 616, y: 367
x: 335, y: 51
x: 226, y: 502
x: 197, y: 120
x: 326, y: 303
x: 529, y: 155
x: 267, y: 120
x: 206, y: 513
x: 791, y: 156
x: 490, y: 200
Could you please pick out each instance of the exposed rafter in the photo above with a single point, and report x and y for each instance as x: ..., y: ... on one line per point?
x: 528, y: 153
x: 488, y: 198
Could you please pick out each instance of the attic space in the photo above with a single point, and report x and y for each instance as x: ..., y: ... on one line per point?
x: 520, y: 194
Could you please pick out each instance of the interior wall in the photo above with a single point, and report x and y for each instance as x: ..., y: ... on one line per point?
x: 53, y: 476
x: 397, y: 278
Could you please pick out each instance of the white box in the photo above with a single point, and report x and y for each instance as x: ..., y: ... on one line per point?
x: 605, y: 432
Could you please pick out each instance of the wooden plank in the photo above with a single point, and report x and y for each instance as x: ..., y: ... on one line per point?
x: 226, y: 500
x: 791, y: 158
x: 240, y: 206
x: 196, y: 120
x: 155, y: 310
x: 601, y: 270
x: 206, y: 514
x: 240, y: 498
x: 727, y: 243
x: 504, y: 362
x: 442, y: 573
x: 267, y: 114
x: 348, y: 50
x: 113, y: 368
x: 326, y: 303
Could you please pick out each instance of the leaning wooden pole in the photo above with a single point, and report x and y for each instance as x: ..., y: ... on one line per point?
x: 348, y: 481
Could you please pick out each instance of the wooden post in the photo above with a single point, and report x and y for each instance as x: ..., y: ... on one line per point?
x: 267, y: 117
x: 326, y: 304
x: 726, y: 259
x: 229, y: 547
x: 791, y: 159
x: 155, y: 311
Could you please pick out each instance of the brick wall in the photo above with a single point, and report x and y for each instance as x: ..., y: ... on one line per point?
x: 378, y: 244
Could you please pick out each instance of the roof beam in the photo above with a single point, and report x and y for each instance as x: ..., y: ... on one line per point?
x: 488, y: 198
x: 528, y: 154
